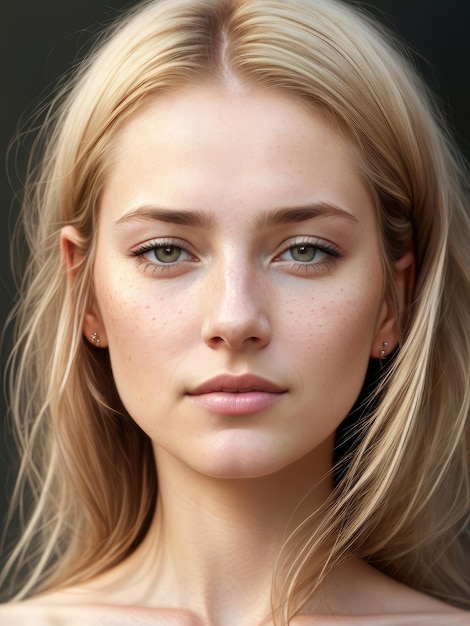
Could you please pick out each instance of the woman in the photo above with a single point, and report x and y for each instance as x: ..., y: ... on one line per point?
x: 242, y: 206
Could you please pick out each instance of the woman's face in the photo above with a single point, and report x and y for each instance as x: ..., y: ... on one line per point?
x: 238, y: 279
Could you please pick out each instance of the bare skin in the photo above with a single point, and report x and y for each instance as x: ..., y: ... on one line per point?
x: 56, y: 610
x: 368, y: 598
x: 230, y: 479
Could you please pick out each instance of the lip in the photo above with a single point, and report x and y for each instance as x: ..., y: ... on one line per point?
x: 230, y: 383
x: 236, y: 395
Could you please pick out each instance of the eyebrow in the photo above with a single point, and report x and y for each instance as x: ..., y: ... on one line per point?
x: 173, y: 216
x: 290, y: 215
x: 265, y: 218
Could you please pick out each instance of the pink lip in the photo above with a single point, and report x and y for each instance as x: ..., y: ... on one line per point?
x: 236, y: 395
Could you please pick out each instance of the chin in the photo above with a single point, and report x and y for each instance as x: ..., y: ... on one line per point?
x: 244, y: 453
x: 254, y: 457
x: 242, y: 471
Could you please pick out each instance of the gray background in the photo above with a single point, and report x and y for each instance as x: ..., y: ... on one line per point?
x: 41, y: 39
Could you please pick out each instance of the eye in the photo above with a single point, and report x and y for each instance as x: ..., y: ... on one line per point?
x: 166, y: 254
x: 309, y: 252
x: 160, y: 253
x: 304, y: 253
x: 307, y: 255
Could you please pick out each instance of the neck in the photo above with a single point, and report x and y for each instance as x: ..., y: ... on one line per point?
x: 213, y: 544
x: 219, y: 539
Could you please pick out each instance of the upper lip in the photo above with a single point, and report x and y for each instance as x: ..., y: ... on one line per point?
x: 237, y: 384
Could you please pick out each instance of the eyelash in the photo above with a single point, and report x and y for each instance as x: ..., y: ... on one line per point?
x: 154, y: 266
x: 331, y: 252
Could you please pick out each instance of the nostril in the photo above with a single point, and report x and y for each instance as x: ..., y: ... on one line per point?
x: 217, y: 341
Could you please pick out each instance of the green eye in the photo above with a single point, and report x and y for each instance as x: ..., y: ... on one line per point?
x: 163, y: 252
x: 167, y: 254
x: 303, y: 253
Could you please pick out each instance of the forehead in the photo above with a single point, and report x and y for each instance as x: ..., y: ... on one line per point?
x: 222, y: 119
x: 209, y: 146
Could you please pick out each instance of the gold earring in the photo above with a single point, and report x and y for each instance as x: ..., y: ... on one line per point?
x: 95, y: 339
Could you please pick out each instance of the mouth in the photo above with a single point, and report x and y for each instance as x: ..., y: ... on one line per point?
x: 237, y: 395
x: 245, y: 383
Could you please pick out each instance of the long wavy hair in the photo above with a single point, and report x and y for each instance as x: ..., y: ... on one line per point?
x: 88, y: 485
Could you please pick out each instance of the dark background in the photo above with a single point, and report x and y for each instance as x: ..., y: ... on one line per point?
x: 42, y: 39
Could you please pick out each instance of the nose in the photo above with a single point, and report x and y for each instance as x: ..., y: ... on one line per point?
x: 236, y: 311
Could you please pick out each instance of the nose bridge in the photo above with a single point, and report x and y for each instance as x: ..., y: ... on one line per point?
x: 236, y: 310
x: 237, y: 285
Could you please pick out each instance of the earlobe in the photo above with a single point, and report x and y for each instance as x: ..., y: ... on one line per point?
x: 386, y: 336
x: 74, y: 254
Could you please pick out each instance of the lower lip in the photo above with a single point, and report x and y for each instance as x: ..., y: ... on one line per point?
x: 224, y: 403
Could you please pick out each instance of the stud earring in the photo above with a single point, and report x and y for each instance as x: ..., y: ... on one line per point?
x: 95, y: 339
x: 383, y: 350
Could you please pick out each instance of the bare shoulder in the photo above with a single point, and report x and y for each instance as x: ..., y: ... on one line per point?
x: 92, y: 615
x: 369, y: 597
x: 102, y: 615
x: 453, y: 618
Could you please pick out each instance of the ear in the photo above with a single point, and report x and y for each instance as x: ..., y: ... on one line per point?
x: 73, y: 254
x: 386, y: 336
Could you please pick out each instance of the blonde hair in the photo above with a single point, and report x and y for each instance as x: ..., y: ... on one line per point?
x: 402, y: 497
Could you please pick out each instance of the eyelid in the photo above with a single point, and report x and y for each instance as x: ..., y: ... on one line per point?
x: 161, y: 242
x: 321, y: 244
x: 155, y: 268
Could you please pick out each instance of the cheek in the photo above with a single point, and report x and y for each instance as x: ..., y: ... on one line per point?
x: 344, y: 318
x: 147, y: 334
x: 330, y: 337
x: 132, y: 309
